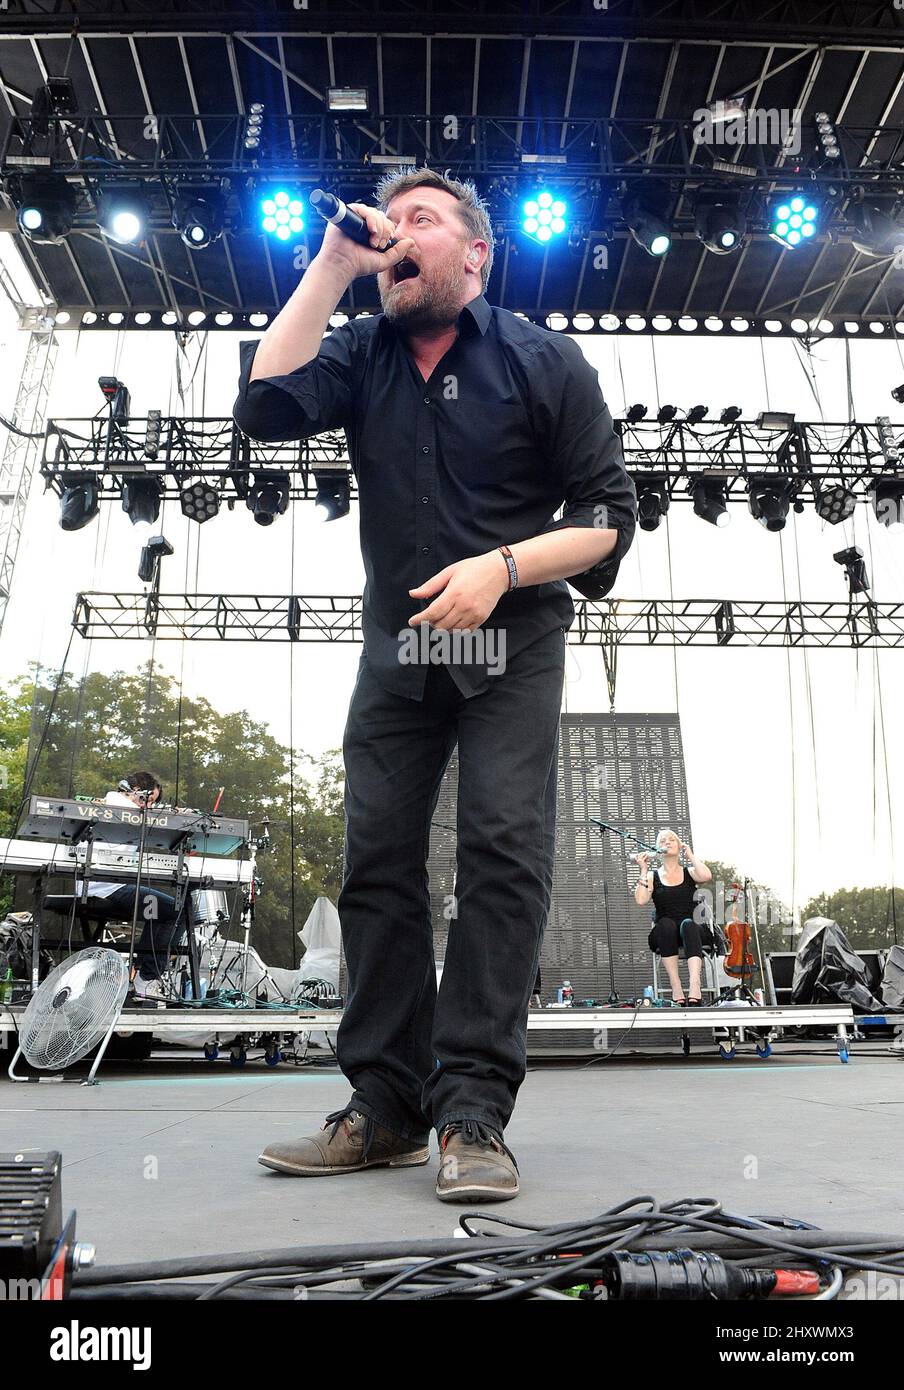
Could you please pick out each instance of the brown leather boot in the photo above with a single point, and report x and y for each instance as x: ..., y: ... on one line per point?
x: 475, y: 1165
x: 355, y: 1142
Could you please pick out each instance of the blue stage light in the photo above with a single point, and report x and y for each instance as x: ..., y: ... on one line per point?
x: 282, y: 214
x: 794, y: 220
x: 543, y: 217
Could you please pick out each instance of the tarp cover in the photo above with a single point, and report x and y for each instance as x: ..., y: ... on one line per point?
x: 892, y: 988
x: 828, y: 969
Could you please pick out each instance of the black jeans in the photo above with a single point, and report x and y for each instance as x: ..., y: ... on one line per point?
x: 417, y: 1058
x: 152, y: 948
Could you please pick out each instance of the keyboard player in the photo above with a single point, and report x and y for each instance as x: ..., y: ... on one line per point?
x: 156, y: 910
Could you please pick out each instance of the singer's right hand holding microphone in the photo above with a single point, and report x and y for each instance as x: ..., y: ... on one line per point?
x: 339, y: 252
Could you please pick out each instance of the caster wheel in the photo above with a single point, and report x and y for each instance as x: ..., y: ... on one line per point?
x: 238, y: 1057
x: 727, y: 1053
x: 843, y: 1054
x: 686, y: 1045
x: 273, y: 1057
x: 764, y: 1050
x: 211, y: 1052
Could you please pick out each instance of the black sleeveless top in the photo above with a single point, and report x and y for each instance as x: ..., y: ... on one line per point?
x: 674, y: 900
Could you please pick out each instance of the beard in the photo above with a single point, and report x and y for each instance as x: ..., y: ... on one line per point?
x: 431, y: 300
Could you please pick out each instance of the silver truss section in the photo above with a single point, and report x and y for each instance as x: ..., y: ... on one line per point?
x: 21, y: 455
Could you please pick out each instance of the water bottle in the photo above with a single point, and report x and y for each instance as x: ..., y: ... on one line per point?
x: 649, y: 998
x: 6, y: 986
x: 565, y: 993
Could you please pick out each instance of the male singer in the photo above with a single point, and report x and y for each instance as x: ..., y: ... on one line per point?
x: 468, y: 428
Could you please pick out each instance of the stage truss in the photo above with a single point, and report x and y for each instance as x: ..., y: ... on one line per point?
x: 609, y: 623
x: 808, y: 458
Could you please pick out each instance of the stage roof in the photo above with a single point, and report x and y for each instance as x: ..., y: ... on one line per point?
x: 163, y: 93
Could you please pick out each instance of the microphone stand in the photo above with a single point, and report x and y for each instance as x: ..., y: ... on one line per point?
x: 613, y: 992
x: 142, y: 840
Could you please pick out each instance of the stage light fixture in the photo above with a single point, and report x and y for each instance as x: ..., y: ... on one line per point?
x: 199, y: 502
x: 254, y: 126
x: 730, y: 414
x: 697, y: 414
x: 122, y: 215
x: 854, y: 569
x: 117, y: 396
x: 151, y: 555
x: 543, y: 216
x: 46, y: 206
x: 775, y: 421
x: 282, y: 213
x: 887, y: 443
x: 876, y: 232
x: 199, y: 219
x: 645, y: 216
x: 711, y: 500
x: 55, y: 97
x: 898, y: 395
x: 652, y: 499
x: 141, y: 498
x: 347, y: 99
x: 835, y: 504
x: 827, y: 137
x: 887, y: 496
x: 666, y: 414
x: 333, y: 494
x: 79, y: 500
x: 730, y: 109
x: 719, y: 223
x: 769, y: 501
x: 794, y: 220
x: 152, y: 434
x: 636, y: 414
x: 268, y: 496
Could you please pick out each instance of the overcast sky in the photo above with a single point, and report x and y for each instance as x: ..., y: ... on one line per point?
x: 785, y: 756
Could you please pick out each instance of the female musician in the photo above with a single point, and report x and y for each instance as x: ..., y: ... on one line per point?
x: 673, y: 892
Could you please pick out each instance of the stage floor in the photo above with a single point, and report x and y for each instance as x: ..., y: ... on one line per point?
x: 160, y: 1158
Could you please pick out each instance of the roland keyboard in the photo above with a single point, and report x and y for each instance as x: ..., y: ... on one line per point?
x: 120, y: 865
x: 53, y: 819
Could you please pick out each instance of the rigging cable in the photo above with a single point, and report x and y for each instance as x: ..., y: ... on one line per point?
x: 295, y: 958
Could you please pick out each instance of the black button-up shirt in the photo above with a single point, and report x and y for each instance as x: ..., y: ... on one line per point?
x: 510, y: 425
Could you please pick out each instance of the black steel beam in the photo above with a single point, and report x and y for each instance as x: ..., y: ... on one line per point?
x: 312, y: 148
x: 800, y: 21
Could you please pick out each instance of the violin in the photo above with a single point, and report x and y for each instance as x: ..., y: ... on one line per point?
x: 739, y: 961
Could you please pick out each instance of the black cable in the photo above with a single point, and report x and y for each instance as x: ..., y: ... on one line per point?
x: 23, y: 434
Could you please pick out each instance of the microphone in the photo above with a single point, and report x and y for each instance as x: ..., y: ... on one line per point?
x: 332, y: 209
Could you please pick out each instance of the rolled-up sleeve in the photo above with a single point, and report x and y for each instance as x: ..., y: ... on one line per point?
x: 312, y: 399
x: 587, y: 453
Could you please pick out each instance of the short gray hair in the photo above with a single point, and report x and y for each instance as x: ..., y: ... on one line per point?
x: 472, y: 208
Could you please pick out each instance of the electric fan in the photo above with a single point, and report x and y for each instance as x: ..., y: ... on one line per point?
x: 76, y: 1006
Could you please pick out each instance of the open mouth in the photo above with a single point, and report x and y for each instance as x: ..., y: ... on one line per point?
x: 405, y: 270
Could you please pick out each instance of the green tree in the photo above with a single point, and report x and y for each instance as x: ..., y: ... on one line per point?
x: 871, y: 918
x: 82, y: 736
